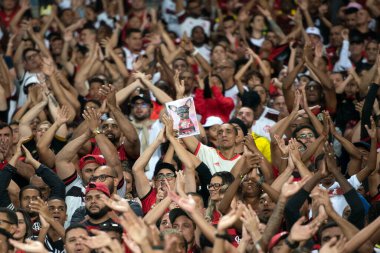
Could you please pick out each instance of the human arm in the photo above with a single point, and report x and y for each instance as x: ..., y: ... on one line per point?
x: 63, y: 164
x: 304, y: 6
x: 132, y: 142
x: 142, y: 183
x: 288, y: 189
x: 287, y: 85
x: 158, y: 93
x: 46, y: 155
x: 25, y: 130
x: 48, y: 176
x: 240, y: 73
x: 372, y: 158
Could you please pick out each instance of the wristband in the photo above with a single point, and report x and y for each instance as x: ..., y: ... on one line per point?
x: 293, y: 245
x: 222, y: 236
x: 284, y: 157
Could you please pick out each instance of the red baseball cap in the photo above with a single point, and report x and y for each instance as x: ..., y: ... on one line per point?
x: 87, y: 159
x: 98, y: 186
x: 276, y: 238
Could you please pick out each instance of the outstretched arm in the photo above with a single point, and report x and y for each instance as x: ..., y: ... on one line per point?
x: 63, y: 164
x: 25, y: 130
x: 132, y: 143
x: 142, y: 183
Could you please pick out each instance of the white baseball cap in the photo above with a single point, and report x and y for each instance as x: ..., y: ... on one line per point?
x: 314, y: 31
x: 212, y: 121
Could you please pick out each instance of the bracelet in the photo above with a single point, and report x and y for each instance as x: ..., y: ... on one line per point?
x: 293, y: 245
x: 284, y: 157
x: 222, y: 236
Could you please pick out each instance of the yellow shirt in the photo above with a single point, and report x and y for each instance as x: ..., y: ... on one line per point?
x: 263, y: 144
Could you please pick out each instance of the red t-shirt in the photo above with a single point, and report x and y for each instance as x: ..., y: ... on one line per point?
x: 149, y: 200
x: 231, y: 231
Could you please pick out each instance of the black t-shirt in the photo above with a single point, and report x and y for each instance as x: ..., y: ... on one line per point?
x: 54, y: 246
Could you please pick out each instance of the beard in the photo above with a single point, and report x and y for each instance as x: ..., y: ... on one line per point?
x: 100, y: 214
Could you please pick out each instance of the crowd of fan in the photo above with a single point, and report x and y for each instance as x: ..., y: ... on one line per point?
x: 287, y: 99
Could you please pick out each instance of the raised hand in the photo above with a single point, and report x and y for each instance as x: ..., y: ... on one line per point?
x: 300, y: 232
x: 135, y: 227
x: 28, y: 156
x: 188, y: 204
x: 186, y: 44
x: 48, y: 66
x: 281, y: 145
x: 92, y: 118
x: 117, y: 203
x: 62, y: 115
x: 68, y: 35
x: 372, y: 132
x: 179, y: 85
x: 334, y: 245
x: 345, y: 34
x: 251, y: 222
x: 293, y: 150
x: 30, y: 246
x: 303, y: 4
x: 290, y: 188
x: 168, y: 122
x: 249, y: 142
x: 180, y: 184
x: 40, y: 207
x: 321, y: 196
x: 109, y: 92
x: 229, y: 219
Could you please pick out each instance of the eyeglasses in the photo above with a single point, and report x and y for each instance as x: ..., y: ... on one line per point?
x: 101, y: 178
x: 5, y: 221
x: 305, y: 136
x: 215, y: 186
x: 161, y: 176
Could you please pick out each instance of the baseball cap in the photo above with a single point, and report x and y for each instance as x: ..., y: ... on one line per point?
x: 314, y: 31
x: 276, y: 238
x: 144, y: 97
x: 212, y: 121
x: 29, y: 81
x: 87, y: 159
x: 98, y: 186
x: 241, y: 124
x: 175, y: 213
x: 363, y: 144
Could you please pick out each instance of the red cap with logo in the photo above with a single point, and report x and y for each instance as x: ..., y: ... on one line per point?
x: 98, y: 186
x: 87, y: 159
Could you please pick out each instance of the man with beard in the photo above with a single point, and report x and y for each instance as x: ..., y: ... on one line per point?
x: 75, y: 182
x: 96, y: 210
x: 146, y: 128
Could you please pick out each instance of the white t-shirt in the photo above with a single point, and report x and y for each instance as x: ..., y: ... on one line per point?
x: 257, y: 42
x: 214, y: 159
x: 234, y: 94
x: 262, y: 125
x: 189, y: 23
x: 337, y: 200
x: 168, y: 13
x: 131, y: 57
